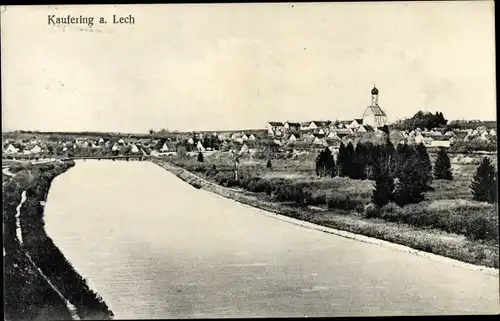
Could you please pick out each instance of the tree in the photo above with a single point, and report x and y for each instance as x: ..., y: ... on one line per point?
x: 425, y: 162
x: 359, y: 161
x: 200, y: 157
x: 269, y: 164
x: 484, y: 182
x: 325, y: 164
x: 346, y: 156
x: 442, y: 166
x: 408, y: 188
x: 384, y: 184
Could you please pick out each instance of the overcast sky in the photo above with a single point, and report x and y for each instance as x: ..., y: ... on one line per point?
x: 232, y: 66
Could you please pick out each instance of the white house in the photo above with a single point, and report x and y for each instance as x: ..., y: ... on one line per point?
x: 312, y: 125
x: 321, y: 131
x: 244, y: 137
x: 251, y: 137
x: 374, y: 115
x: 356, y: 123
x: 419, y: 138
x: 200, y: 147
x: 484, y: 135
x: 320, y: 141
x: 164, y: 148
x: 292, y: 138
x: 493, y: 132
x: 244, y: 149
x: 437, y: 141
x: 133, y: 148
x: 361, y: 129
x: 291, y: 125
x: 277, y: 142
x: 11, y: 149
x: 270, y: 132
x: 115, y: 147
x: 121, y: 141
x: 36, y: 150
x: 332, y: 134
x: 101, y: 141
x: 191, y: 141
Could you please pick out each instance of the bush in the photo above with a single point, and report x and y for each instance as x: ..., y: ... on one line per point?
x: 316, y: 198
x: 484, y: 183
x: 480, y: 227
x: 291, y: 193
x: 442, y: 166
x: 371, y: 211
x: 340, y: 201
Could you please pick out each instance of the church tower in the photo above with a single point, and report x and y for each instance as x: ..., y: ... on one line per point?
x: 374, y: 96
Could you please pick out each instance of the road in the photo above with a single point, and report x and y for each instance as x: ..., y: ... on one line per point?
x: 155, y: 247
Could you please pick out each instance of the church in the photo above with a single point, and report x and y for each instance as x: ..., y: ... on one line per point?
x: 374, y: 115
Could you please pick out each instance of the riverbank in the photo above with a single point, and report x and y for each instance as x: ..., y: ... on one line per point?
x: 426, y: 242
x: 40, y: 282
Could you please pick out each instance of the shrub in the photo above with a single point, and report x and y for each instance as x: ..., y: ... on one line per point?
x: 269, y: 164
x: 480, y: 227
x: 317, y: 198
x: 442, y: 166
x: 340, y: 201
x: 484, y: 183
x: 290, y: 193
x: 371, y: 211
x: 200, y: 157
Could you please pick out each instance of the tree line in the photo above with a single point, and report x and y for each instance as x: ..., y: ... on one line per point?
x: 402, y: 174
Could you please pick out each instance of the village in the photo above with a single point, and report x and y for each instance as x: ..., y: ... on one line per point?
x: 298, y: 137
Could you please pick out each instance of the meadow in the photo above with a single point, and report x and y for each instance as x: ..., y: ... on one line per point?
x: 448, y: 207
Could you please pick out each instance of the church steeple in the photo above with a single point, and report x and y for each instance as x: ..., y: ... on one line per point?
x: 374, y: 96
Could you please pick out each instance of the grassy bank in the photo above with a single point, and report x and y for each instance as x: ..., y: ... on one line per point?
x: 36, y: 180
x: 463, y: 230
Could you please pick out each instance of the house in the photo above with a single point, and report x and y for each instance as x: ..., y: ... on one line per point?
x: 200, y: 147
x: 36, y: 150
x: 101, y: 141
x: 356, y: 123
x: 374, y: 115
x: 121, y: 142
x: 291, y: 126
x: 134, y: 149
x: 244, y: 137
x: 115, y: 147
x: 332, y: 135
x: 190, y: 141
x: 436, y: 141
x: 344, y: 132
x: 164, y: 148
x: 11, y: 149
x: 244, y: 149
x: 493, y: 132
x: 275, y: 125
x: 419, y: 138
x: 320, y: 141
x: 484, y: 135
x: 277, y: 142
x: 320, y: 131
x: 270, y: 132
x: 252, y: 137
x: 292, y: 138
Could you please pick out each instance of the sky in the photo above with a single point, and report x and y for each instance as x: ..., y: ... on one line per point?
x: 235, y: 66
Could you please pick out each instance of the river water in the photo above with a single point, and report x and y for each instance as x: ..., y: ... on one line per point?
x: 154, y: 247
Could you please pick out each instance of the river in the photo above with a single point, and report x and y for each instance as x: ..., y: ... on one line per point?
x: 155, y: 247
